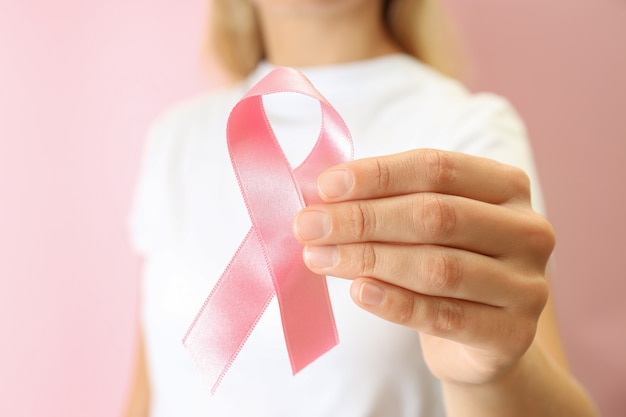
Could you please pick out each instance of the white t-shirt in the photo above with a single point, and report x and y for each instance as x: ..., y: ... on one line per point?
x: 189, y: 218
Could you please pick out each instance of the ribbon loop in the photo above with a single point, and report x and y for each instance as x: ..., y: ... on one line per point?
x: 269, y: 260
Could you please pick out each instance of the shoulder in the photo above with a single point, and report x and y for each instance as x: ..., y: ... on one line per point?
x: 453, y: 101
x: 180, y: 130
x: 421, y: 108
x: 479, y: 123
x: 196, y: 114
x: 482, y: 124
x: 183, y: 133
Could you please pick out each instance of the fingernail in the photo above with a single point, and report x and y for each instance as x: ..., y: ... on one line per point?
x: 313, y: 224
x: 370, y: 294
x: 335, y: 183
x: 321, y: 257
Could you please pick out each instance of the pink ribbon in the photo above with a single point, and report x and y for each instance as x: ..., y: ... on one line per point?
x: 269, y: 260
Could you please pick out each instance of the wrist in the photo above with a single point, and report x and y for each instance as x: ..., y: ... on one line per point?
x: 534, y: 385
x: 501, y: 377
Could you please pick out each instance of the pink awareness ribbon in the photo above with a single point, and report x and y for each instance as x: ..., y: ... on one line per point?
x: 269, y: 260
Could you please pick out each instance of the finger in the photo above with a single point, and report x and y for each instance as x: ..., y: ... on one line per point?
x: 426, y: 218
x: 473, y: 324
x: 424, y: 170
x: 425, y: 269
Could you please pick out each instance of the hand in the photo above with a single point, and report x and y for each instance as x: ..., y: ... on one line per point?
x: 441, y: 242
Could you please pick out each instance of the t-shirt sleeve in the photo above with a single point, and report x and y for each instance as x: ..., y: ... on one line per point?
x: 490, y: 127
x: 147, y: 221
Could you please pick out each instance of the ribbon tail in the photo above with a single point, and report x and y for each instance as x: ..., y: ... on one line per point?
x: 230, y: 312
x: 307, y: 316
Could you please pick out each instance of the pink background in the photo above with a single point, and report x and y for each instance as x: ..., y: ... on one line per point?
x: 81, y: 80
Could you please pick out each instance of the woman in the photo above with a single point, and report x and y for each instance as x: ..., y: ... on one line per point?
x: 442, y: 245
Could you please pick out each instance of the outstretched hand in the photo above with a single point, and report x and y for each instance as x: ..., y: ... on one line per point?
x: 441, y: 242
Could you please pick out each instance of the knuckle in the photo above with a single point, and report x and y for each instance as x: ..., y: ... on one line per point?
x: 383, y: 174
x: 369, y: 259
x: 441, y: 272
x: 519, y: 182
x: 547, y: 235
x: 405, y: 312
x: 523, y: 335
x: 540, y: 236
x: 439, y: 167
x: 526, y: 318
x: 540, y: 292
x: 446, y: 317
x: 438, y: 219
x: 363, y: 220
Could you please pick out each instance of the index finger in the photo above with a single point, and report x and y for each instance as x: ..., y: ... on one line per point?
x: 424, y: 170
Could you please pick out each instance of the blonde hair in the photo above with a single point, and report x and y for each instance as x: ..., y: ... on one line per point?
x: 419, y: 27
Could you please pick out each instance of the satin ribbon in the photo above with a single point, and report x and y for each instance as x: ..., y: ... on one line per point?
x: 269, y: 260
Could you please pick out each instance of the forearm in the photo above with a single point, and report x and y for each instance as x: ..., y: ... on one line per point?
x: 138, y: 400
x: 536, y: 387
